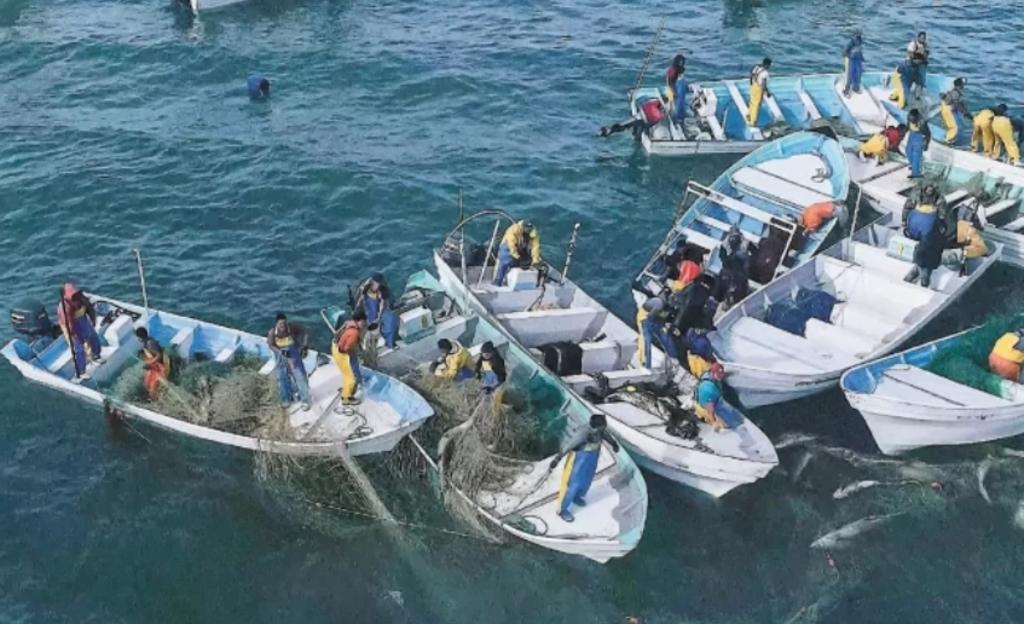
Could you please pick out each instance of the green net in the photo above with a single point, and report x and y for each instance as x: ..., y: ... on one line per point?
x: 231, y: 396
x: 966, y: 362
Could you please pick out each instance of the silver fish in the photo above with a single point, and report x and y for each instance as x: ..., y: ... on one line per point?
x: 983, y: 469
x: 801, y: 465
x: 841, y: 537
x: 1018, y: 518
x: 794, y: 439
x: 857, y: 486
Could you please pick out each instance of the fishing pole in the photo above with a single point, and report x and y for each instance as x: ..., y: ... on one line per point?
x: 647, y: 60
x: 568, y: 254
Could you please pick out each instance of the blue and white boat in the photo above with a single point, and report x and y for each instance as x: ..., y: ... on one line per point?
x: 389, y: 411
x: 717, y: 124
x: 764, y: 195
x: 526, y: 507
x: 907, y: 406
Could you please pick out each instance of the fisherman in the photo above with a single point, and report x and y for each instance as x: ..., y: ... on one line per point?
x: 375, y: 301
x: 290, y: 343
x: 157, y: 364
x: 982, y: 135
x: 651, y: 324
x: 345, y: 352
x: 1007, y: 356
x: 257, y: 86
x: 77, y: 319
x: 877, y: 147
x: 694, y: 306
x: 917, y: 61
x: 581, y: 455
x: 490, y: 367
x: 919, y: 215
x: 919, y: 137
x: 758, y: 89
x: 677, y: 87
x: 455, y: 361
x: 854, y: 57
x: 927, y: 254
x: 1002, y: 137
x: 954, y: 110
x: 520, y: 246
x: 970, y: 246
x: 707, y: 395
x: 734, y: 276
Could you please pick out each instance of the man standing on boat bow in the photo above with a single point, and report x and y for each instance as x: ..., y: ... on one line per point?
x: 581, y: 453
x: 77, y: 319
x: 289, y: 341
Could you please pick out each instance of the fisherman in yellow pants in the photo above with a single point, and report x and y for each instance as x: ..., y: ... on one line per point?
x: 953, y: 104
x: 1002, y: 135
x: 345, y: 352
x: 898, y: 95
x: 758, y: 90
x: 983, y: 130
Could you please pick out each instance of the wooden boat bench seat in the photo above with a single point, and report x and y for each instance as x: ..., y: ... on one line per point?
x: 542, y: 327
x: 917, y: 385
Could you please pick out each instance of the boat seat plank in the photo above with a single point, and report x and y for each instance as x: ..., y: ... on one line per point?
x: 542, y: 327
x: 934, y: 389
x: 1014, y: 226
x: 956, y: 196
x: 735, y: 205
x: 777, y: 187
x: 787, y: 346
x: 846, y: 339
x: 1000, y: 206
x: 809, y: 105
x: 725, y: 227
x: 701, y: 240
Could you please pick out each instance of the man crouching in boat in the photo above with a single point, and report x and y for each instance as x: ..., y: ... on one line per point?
x: 707, y: 395
x: 581, y: 455
x: 490, y: 367
x: 455, y: 361
x: 290, y: 343
x: 1007, y: 356
x: 155, y: 361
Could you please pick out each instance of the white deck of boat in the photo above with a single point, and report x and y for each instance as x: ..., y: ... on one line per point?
x: 910, y: 384
x: 796, y: 180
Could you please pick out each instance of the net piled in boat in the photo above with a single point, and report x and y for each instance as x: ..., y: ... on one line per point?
x: 967, y: 361
x: 232, y: 396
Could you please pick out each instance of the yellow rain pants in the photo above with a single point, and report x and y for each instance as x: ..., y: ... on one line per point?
x: 876, y: 147
x: 897, y: 90
x: 348, y: 376
x: 982, y: 131
x: 1002, y: 131
x: 754, y: 107
x: 641, y: 316
x: 951, y: 128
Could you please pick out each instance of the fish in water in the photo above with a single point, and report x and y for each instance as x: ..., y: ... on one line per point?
x: 841, y: 537
x: 1018, y: 518
x: 801, y: 465
x: 794, y: 439
x: 1013, y: 453
x: 847, y: 490
x: 983, y: 469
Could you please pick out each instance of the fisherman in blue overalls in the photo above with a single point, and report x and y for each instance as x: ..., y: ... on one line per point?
x: 581, y: 455
x: 288, y: 341
x: 919, y: 136
x: 375, y: 300
x: 854, y: 55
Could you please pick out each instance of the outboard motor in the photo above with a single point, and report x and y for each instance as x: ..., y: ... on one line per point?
x: 29, y: 318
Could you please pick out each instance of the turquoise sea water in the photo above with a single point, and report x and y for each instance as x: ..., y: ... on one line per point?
x: 125, y: 124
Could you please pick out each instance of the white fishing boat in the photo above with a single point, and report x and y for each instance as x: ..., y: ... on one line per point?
x: 389, y: 411
x: 764, y: 194
x: 908, y: 406
x: 527, y: 507
x: 594, y: 354
x: 848, y: 305
x: 963, y: 175
x: 209, y: 5
x: 716, y: 122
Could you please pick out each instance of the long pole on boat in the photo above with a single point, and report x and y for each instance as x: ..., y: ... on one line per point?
x: 142, y: 279
x: 462, y: 257
x: 568, y: 254
x: 490, y: 248
x: 856, y: 210
x: 647, y: 59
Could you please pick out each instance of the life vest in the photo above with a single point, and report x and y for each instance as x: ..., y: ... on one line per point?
x: 921, y: 220
x: 284, y: 342
x: 348, y: 338
x: 816, y: 214
x: 688, y: 271
x: 1006, y: 348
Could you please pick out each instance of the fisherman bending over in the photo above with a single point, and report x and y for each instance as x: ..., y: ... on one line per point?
x: 455, y: 361
x: 490, y: 367
x: 581, y: 453
x: 520, y: 246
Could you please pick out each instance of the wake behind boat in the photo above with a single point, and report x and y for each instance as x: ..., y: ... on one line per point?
x: 595, y: 357
x: 768, y: 198
x: 939, y: 393
x: 519, y: 494
x: 848, y: 305
x: 230, y: 398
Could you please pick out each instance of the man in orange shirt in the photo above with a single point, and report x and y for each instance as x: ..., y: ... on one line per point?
x: 345, y: 352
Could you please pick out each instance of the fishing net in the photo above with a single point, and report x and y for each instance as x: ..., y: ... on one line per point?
x: 229, y: 396
x: 967, y: 361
